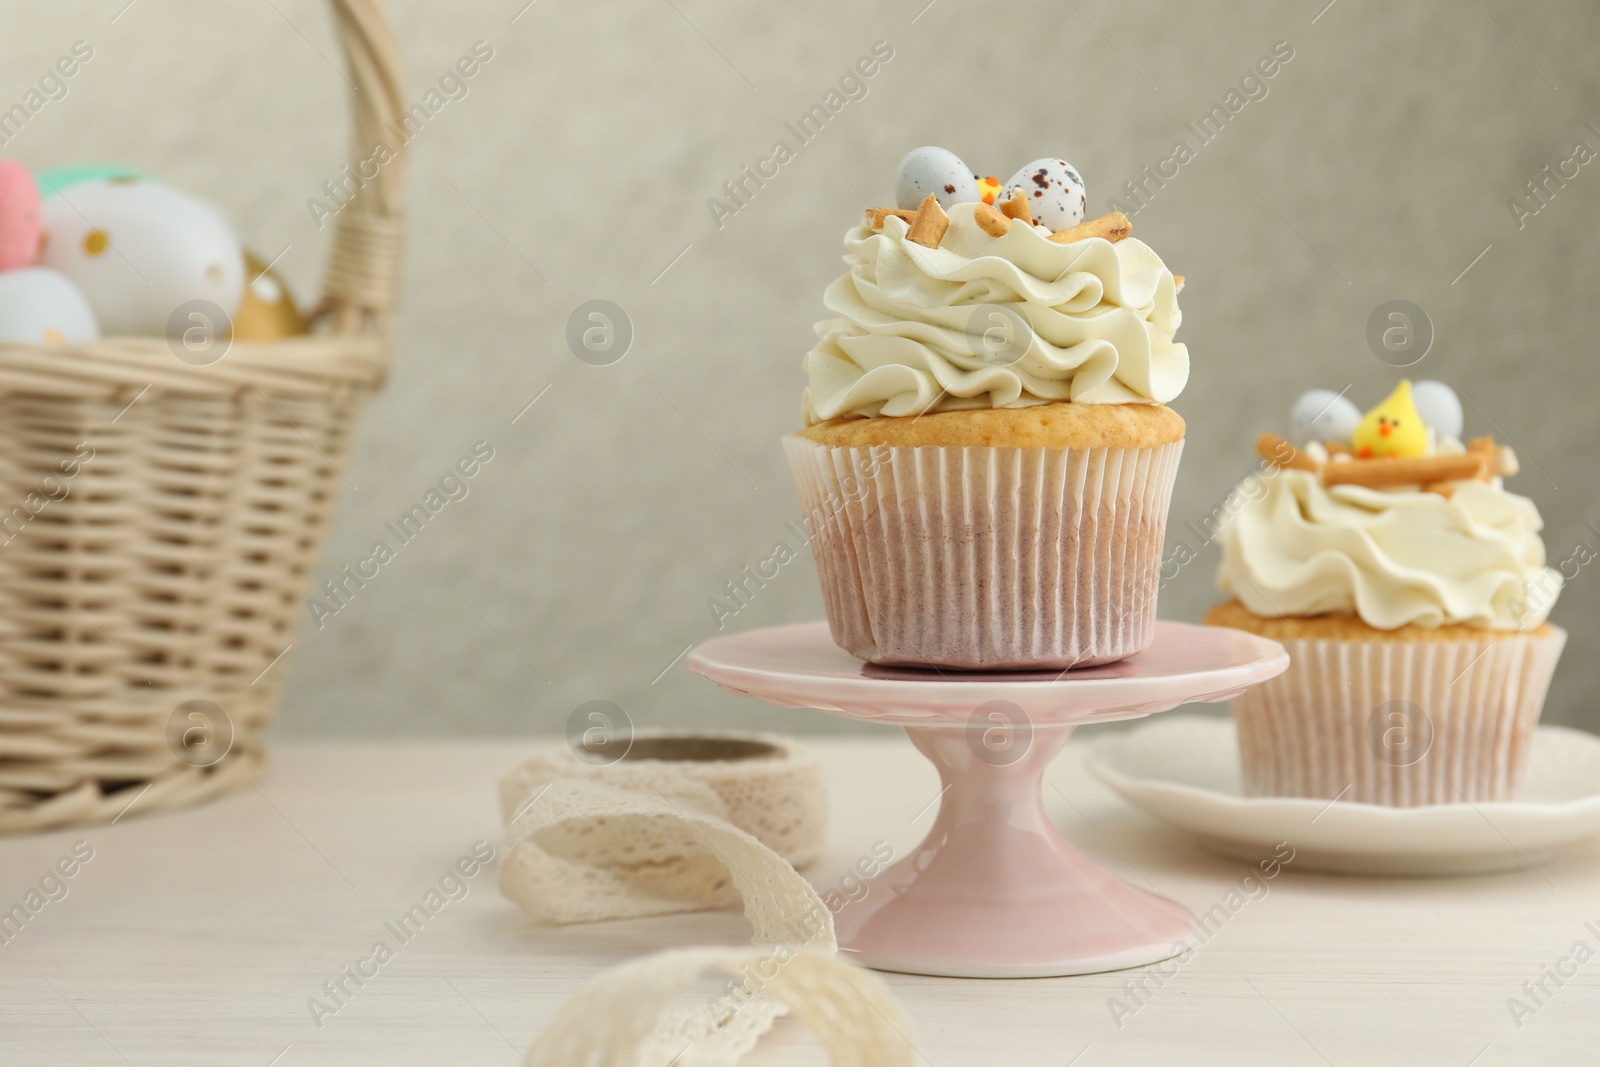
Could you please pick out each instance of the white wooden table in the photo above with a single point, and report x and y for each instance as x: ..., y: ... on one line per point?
x: 199, y: 937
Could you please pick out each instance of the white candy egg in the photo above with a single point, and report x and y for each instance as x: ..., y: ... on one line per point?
x: 938, y: 171
x: 139, y: 250
x: 1439, y: 407
x: 1323, y: 415
x: 1056, y: 195
x: 39, y: 306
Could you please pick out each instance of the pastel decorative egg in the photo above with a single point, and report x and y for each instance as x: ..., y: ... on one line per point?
x: 19, y: 216
x: 40, y: 306
x: 53, y: 181
x: 937, y: 171
x: 140, y: 250
x: 1056, y: 195
x: 1439, y: 407
x: 267, y: 311
x: 1323, y: 415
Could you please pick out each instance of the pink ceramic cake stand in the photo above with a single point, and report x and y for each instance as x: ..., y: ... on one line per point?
x: 994, y: 891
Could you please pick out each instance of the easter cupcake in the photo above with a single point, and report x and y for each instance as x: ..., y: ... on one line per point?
x: 1411, y: 591
x: 988, y: 459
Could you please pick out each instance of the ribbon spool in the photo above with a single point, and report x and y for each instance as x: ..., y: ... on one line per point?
x: 627, y: 837
x: 669, y: 822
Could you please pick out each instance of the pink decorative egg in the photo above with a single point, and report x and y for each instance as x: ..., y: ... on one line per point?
x: 19, y: 216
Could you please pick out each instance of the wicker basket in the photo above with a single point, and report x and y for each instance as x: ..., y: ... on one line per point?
x: 172, y: 567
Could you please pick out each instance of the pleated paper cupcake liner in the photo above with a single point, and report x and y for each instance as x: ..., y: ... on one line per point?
x: 1399, y: 723
x: 987, y: 558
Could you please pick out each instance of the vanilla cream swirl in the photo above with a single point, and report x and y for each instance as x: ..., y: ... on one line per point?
x: 908, y: 336
x: 1391, y: 557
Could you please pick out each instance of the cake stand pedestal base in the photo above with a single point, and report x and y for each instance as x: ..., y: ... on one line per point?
x: 994, y: 891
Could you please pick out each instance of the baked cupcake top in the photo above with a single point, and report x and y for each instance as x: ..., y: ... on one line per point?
x: 1039, y: 426
x: 1388, y: 517
x: 981, y: 295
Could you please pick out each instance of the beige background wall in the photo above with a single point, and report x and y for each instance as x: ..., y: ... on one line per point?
x: 1378, y: 166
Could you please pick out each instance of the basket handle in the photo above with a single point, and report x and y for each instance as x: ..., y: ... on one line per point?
x: 363, y: 273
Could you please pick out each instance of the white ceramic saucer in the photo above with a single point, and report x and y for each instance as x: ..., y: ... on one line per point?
x: 1184, y: 770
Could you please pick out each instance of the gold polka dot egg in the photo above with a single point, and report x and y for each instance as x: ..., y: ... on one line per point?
x: 140, y: 250
x: 267, y: 312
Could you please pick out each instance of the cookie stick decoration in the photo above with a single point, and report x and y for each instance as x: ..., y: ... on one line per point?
x: 1016, y: 207
x: 874, y: 217
x: 1379, y: 473
x: 1274, y: 449
x: 990, y: 221
x: 929, y: 223
x: 1113, y: 227
x: 1425, y: 471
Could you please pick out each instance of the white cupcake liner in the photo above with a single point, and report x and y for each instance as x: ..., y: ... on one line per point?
x: 987, y: 558
x: 1399, y: 723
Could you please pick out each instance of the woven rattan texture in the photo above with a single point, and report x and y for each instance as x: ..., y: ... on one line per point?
x: 159, y: 522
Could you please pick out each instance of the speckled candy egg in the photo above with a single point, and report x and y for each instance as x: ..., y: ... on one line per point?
x: 1056, y: 195
x: 19, y: 216
x: 937, y: 171
x: 139, y: 250
x: 1323, y: 415
x: 39, y: 306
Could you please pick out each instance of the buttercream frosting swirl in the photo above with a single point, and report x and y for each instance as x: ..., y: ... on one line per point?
x: 1393, y: 557
x: 908, y: 333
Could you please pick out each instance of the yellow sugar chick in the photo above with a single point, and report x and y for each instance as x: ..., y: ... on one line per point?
x: 989, y: 189
x: 1393, y: 428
